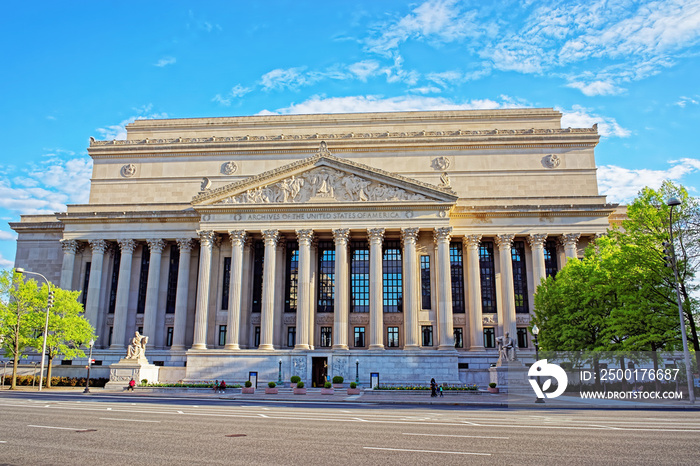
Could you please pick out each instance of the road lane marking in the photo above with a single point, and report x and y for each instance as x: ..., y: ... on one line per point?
x: 52, y: 427
x: 130, y: 420
x: 429, y: 451
x: 460, y: 436
x: 471, y: 423
x: 263, y: 415
x: 180, y: 412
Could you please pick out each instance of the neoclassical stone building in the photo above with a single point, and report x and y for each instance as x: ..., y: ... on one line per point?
x: 400, y: 244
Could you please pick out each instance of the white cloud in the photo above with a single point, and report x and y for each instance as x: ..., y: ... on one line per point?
x: 165, y: 61
x: 372, y: 103
x: 445, y: 78
x: 695, y: 100
x: 622, y: 184
x: 426, y: 90
x: 364, y: 69
x: 290, y: 78
x: 235, y: 92
x: 596, y: 88
x: 118, y: 131
x: 580, y: 117
x: 7, y: 236
x: 6, y: 264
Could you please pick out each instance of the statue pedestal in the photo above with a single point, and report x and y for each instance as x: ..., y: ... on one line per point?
x: 126, y: 369
x: 509, y: 376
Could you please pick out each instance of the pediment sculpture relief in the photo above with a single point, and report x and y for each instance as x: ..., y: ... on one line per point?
x: 323, y: 183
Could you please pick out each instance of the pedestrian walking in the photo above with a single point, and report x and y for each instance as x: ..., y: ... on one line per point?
x: 132, y: 384
x: 433, y: 388
x: 441, y: 391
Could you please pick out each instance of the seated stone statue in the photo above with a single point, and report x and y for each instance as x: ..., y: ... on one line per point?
x: 506, y: 348
x: 137, y: 348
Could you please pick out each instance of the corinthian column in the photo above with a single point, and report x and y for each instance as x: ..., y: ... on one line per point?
x: 409, y: 237
x: 340, y: 332
x: 268, y: 293
x: 156, y: 247
x: 570, y: 242
x: 506, y: 316
x: 235, y: 288
x: 446, y: 339
x: 304, y: 289
x: 70, y: 247
x: 92, y: 302
x: 476, y: 324
x: 122, y: 301
x: 206, y: 241
x: 537, y: 247
x: 182, y: 293
x: 376, y: 292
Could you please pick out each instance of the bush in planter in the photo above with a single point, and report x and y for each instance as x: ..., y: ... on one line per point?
x: 296, y: 379
x: 338, y: 379
x: 271, y: 384
x: 353, y: 385
x: 492, y: 385
x: 327, y: 385
x: 299, y: 383
x: 248, y: 384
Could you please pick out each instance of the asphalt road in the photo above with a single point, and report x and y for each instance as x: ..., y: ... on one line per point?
x: 51, y: 428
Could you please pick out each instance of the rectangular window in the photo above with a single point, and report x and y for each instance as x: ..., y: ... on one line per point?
x: 139, y: 329
x: 520, y: 277
x: 291, y: 336
x: 66, y: 362
x: 392, y: 334
x: 326, y: 276
x: 226, y: 284
x: 425, y: 282
x: 326, y: 337
x: 109, y: 338
x: 258, y: 258
x: 169, y: 337
x: 143, y: 279
x: 86, y: 283
x: 488, y: 277
x: 550, y: 259
x: 292, y: 274
x: 489, y: 337
x: 522, y: 337
x: 115, y: 280
x: 459, y: 337
x: 392, y: 271
x: 427, y: 332
x: 359, y: 278
x: 457, y: 276
x: 173, y: 267
x: 359, y: 337
x: 256, y: 338
x: 222, y: 335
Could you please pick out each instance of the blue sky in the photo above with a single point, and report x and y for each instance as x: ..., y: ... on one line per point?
x: 77, y: 69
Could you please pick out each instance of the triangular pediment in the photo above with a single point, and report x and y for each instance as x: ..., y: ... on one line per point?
x: 324, y: 178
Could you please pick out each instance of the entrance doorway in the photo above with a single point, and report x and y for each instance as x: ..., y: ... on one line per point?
x: 319, y: 371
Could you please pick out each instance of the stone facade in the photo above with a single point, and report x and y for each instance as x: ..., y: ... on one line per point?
x: 427, y: 230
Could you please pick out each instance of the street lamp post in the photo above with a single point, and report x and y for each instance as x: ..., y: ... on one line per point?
x: 535, y: 332
x: 4, y: 370
x: 87, y: 382
x: 279, y: 374
x: 357, y: 371
x: 672, y: 202
x: 46, y: 324
x: 33, y: 372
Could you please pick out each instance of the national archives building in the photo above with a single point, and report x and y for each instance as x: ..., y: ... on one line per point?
x: 395, y: 244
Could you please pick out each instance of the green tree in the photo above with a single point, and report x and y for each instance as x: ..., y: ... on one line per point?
x: 19, y: 301
x: 68, y: 328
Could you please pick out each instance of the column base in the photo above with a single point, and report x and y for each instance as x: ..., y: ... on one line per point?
x: 199, y: 346
x: 117, y: 348
x: 301, y: 347
x: 446, y: 348
x: 477, y: 348
x: 376, y: 348
x: 340, y: 347
x: 266, y: 347
x: 178, y: 348
x: 232, y: 347
x: 411, y: 347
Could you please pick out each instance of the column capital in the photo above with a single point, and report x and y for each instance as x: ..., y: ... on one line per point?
x: 570, y: 239
x: 442, y: 234
x: 127, y: 246
x: 536, y: 240
x: 271, y: 237
x: 341, y: 236
x: 98, y: 246
x: 237, y: 237
x: 155, y: 245
x: 184, y: 244
x: 471, y: 241
x: 375, y: 235
x: 206, y: 238
x: 504, y: 241
x: 409, y: 235
x: 305, y: 237
x: 70, y: 246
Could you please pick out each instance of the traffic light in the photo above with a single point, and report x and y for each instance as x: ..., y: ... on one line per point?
x: 668, y: 254
x: 50, y: 300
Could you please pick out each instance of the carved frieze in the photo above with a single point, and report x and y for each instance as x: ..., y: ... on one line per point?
x: 522, y: 320
x: 324, y: 318
x: 299, y: 366
x: 459, y: 319
x: 394, y: 318
x: 170, y: 319
x: 339, y: 366
x: 490, y: 319
x: 255, y: 318
x: 359, y: 318
x: 290, y: 319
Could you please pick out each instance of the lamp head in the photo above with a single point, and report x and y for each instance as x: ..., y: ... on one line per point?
x: 535, y: 330
x: 673, y: 201
x: 92, y: 342
x: 19, y: 270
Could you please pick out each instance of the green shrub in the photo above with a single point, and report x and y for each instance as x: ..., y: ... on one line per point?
x: 353, y: 385
x: 295, y: 379
x: 327, y: 385
x: 492, y: 385
x: 338, y: 379
x: 271, y: 384
x: 144, y: 381
x: 300, y: 384
x: 248, y: 384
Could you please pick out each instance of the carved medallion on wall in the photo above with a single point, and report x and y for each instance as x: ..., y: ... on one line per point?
x: 440, y: 163
x: 128, y: 170
x: 551, y: 161
x: 229, y: 168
